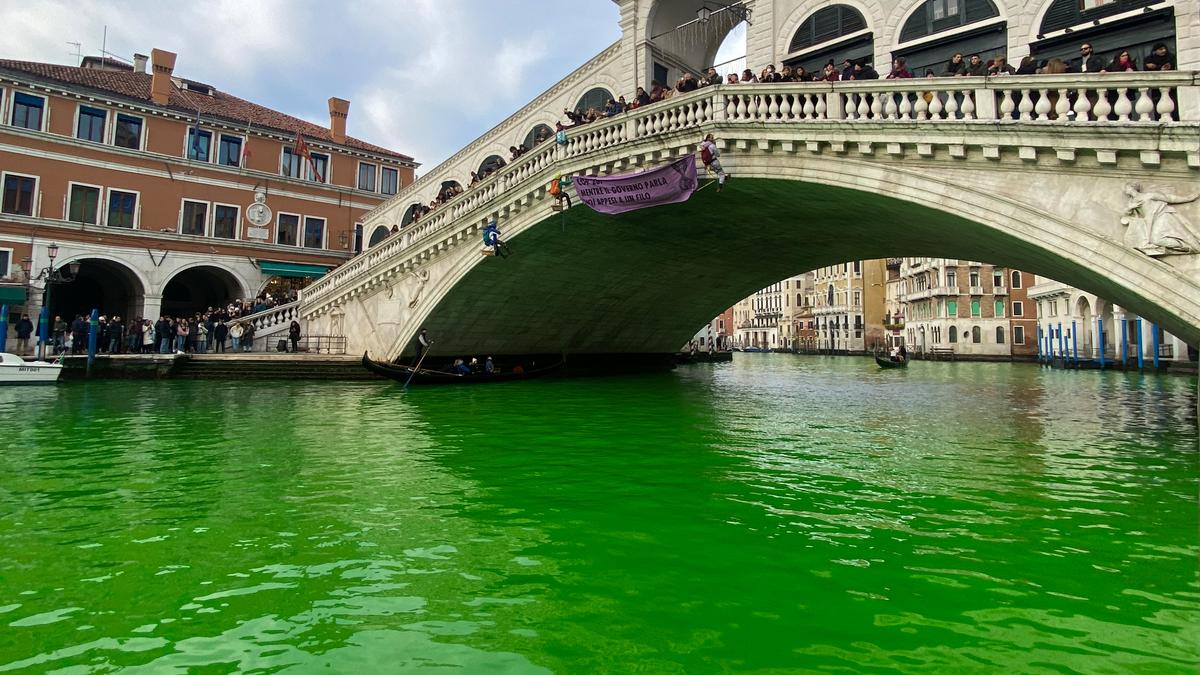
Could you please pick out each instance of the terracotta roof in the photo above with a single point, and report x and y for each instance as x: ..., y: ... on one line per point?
x: 219, y: 105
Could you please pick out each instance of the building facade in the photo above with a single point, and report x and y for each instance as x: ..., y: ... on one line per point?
x: 964, y: 307
x: 850, y: 307
x: 1078, y: 326
x: 169, y: 195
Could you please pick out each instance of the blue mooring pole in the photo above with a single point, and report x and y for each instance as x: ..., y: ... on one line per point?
x: 43, y: 331
x: 1100, y: 340
x: 1040, y: 346
x: 1137, y: 325
x: 1154, y: 332
x: 93, y: 331
x: 1062, y: 344
x: 4, y: 326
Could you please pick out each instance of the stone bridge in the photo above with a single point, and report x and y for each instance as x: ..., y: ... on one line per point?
x: 823, y: 173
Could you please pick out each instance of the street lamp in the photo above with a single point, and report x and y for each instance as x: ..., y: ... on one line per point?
x: 49, y: 276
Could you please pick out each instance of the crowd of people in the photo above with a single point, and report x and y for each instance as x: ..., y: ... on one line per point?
x: 215, y: 330
x: 958, y: 65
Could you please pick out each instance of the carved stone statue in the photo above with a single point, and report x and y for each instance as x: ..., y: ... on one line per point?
x: 1154, y: 226
x: 337, y: 317
x: 422, y: 278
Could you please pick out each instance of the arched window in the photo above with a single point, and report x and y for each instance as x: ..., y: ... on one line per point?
x: 938, y: 16
x: 976, y: 335
x: 538, y: 134
x: 953, y: 334
x: 831, y: 33
x: 1016, y: 280
x: 410, y: 215
x: 377, y: 235
x: 449, y: 189
x: 596, y: 98
x: 492, y: 163
x: 999, y: 335
x: 1138, y: 32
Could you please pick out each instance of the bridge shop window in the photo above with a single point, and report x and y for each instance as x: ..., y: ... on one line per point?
x: 90, y: 125
x: 122, y: 209
x: 1109, y: 25
x: 389, y: 181
x: 595, y: 98
x: 837, y: 32
x: 964, y: 26
x: 128, y: 132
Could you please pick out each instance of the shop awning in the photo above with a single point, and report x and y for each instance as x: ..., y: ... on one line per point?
x: 12, y: 295
x: 283, y: 269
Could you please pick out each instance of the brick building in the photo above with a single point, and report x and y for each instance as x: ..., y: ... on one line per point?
x: 144, y: 179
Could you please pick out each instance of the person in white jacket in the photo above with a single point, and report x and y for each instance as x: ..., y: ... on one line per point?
x: 235, y: 332
x: 710, y: 154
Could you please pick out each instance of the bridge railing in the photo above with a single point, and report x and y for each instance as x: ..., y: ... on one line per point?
x: 1071, y: 100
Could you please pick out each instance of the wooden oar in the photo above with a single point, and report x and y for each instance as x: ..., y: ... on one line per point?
x: 418, y: 366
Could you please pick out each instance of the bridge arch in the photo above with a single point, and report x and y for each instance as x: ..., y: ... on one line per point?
x: 846, y: 195
x: 541, y: 131
x: 104, y: 282
x: 682, y: 43
x: 197, y: 286
x: 594, y: 97
x: 410, y: 214
x: 492, y: 161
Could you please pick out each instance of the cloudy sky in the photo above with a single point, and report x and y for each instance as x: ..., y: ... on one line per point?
x: 424, y: 77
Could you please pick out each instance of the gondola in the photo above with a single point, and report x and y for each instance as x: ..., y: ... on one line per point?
x: 427, y: 376
x: 888, y: 363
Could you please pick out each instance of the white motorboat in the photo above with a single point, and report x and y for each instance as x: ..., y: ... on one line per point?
x: 16, y: 370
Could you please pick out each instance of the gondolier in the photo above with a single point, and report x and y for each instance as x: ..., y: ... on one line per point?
x: 420, y: 345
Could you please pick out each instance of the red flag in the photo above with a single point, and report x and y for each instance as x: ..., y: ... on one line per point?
x: 301, y: 147
x: 302, y: 150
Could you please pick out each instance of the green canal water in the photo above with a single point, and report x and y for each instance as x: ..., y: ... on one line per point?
x: 775, y: 514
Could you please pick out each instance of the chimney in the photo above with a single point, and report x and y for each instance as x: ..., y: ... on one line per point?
x: 162, y: 64
x: 338, y: 109
x: 139, y: 63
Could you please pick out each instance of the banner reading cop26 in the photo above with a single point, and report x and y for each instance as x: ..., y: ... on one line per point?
x: 668, y: 184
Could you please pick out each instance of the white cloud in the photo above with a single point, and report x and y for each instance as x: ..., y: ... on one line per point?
x: 424, y: 77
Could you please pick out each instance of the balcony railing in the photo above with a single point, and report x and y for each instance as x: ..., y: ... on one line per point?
x: 1092, y: 100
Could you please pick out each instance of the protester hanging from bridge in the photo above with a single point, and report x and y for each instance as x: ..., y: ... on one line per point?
x: 558, y: 190
x: 491, y: 238
x: 710, y: 154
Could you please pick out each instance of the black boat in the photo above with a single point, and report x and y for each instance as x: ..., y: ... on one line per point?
x: 426, y: 376
x: 888, y: 363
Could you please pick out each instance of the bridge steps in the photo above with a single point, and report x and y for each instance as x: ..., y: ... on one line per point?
x: 222, y: 367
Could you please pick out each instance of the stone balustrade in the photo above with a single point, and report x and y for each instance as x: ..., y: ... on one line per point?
x: 273, y: 320
x: 1039, y: 102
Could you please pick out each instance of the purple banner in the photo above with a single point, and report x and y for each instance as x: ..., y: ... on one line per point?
x: 670, y: 184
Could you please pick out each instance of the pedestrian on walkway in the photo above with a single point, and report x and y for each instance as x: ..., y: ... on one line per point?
x: 24, y: 330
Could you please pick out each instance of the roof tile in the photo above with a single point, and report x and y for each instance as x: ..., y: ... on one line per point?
x: 219, y: 105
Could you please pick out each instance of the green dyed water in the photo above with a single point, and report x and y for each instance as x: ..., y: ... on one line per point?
x: 774, y: 514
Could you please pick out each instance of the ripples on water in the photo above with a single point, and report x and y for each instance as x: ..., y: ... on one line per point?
x: 777, y: 513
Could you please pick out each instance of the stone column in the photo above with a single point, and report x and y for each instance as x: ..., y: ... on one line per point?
x: 152, y: 308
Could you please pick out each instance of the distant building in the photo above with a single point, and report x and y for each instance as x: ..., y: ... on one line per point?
x: 850, y: 306
x: 1075, y: 324
x: 961, y: 307
x: 149, y: 182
